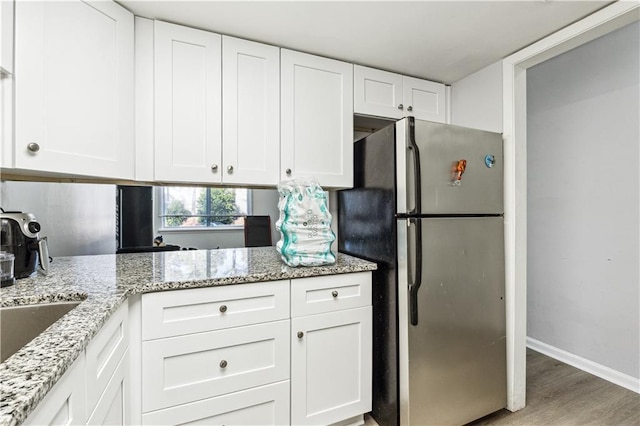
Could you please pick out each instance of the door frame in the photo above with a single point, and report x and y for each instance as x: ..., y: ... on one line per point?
x: 514, y: 92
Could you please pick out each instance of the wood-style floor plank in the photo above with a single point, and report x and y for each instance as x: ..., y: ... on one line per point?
x: 561, y: 395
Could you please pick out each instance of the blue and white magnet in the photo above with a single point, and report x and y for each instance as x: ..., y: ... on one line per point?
x: 489, y: 160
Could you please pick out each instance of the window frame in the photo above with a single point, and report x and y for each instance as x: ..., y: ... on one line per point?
x: 159, y: 213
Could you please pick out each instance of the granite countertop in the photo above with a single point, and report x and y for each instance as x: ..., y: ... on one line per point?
x: 103, y: 283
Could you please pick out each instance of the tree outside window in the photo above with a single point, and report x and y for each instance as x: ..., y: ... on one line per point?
x: 199, y: 207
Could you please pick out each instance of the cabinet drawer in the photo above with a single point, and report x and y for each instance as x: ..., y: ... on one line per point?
x: 104, y: 353
x: 330, y: 293
x: 264, y: 405
x: 182, y: 369
x: 174, y: 313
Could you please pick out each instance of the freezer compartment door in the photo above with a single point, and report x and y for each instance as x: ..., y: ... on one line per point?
x: 460, y: 169
x: 456, y: 353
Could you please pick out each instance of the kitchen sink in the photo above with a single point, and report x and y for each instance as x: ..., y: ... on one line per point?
x: 21, y: 324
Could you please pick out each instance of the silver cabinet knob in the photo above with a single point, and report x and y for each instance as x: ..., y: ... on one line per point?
x: 300, y: 334
x: 214, y: 168
x: 334, y: 293
x: 230, y: 169
x: 33, y: 147
x: 288, y: 172
x: 409, y: 108
x: 223, y: 308
x: 400, y: 106
x: 223, y: 364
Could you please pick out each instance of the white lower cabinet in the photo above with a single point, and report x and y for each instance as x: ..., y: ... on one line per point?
x: 331, y: 366
x: 113, y: 406
x: 105, y: 353
x: 331, y: 348
x: 263, y: 405
x: 65, y: 404
x: 217, y: 355
x: 208, y: 358
x: 94, y: 389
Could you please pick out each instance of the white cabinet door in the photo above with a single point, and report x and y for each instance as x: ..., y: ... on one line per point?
x: 424, y: 100
x: 330, y: 366
x: 65, y: 404
x: 104, y: 354
x: 187, y: 104
x: 317, y: 119
x: 113, y: 406
x: 251, y: 112
x: 6, y: 36
x: 259, y: 406
x: 377, y: 92
x: 74, y: 88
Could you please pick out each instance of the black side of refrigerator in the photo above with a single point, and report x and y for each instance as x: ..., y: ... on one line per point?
x: 367, y: 229
x: 134, y: 216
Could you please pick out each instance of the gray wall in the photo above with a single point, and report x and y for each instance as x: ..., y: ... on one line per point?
x: 583, y: 201
x: 77, y: 219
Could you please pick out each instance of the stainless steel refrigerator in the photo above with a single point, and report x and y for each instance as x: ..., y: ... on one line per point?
x: 427, y: 207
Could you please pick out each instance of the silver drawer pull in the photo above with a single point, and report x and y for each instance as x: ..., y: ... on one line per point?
x: 300, y: 334
x: 223, y: 364
x: 334, y: 293
x: 223, y: 308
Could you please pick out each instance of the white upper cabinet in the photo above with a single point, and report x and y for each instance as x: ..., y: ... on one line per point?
x: 377, y: 92
x: 250, y: 112
x: 74, y: 98
x: 316, y: 119
x: 424, y: 100
x: 6, y: 36
x: 386, y: 94
x: 187, y: 104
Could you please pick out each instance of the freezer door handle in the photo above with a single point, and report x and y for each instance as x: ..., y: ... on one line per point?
x: 415, y: 278
x: 417, y: 179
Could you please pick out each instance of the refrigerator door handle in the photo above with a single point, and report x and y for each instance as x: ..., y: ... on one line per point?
x: 417, y: 179
x: 415, y: 279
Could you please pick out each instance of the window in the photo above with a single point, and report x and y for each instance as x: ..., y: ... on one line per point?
x: 200, y: 207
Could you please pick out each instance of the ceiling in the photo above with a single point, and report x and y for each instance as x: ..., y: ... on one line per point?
x: 438, y: 40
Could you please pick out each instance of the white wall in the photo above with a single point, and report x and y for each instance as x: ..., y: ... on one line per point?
x: 476, y: 100
x: 77, y: 219
x: 583, y: 201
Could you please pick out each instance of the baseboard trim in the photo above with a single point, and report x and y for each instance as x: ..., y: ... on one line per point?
x: 599, y: 370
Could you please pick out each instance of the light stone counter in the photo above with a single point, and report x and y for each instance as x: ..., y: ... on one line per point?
x: 103, y: 283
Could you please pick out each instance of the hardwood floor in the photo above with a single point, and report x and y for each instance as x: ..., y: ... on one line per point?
x: 561, y: 395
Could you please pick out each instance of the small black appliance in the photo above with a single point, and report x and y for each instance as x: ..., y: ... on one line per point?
x: 19, y: 236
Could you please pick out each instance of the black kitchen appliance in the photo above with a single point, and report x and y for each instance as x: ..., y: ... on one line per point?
x: 20, y: 237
